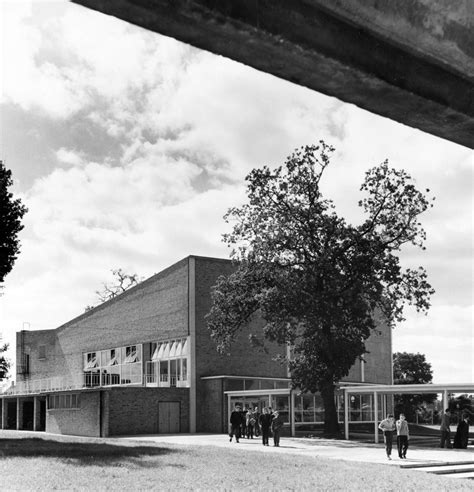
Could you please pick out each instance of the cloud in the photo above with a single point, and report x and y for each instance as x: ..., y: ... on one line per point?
x: 445, y: 336
x: 147, y: 144
x: 68, y: 157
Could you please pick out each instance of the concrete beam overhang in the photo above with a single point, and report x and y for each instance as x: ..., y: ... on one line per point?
x: 408, y: 60
x: 409, y: 388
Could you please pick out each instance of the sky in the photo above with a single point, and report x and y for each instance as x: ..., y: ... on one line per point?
x: 128, y: 148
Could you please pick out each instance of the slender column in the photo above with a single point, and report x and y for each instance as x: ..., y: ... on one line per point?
x: 19, y: 414
x: 292, y: 413
x: 3, y: 408
x: 36, y: 411
x: 445, y: 400
x: 346, y: 415
x: 376, y: 417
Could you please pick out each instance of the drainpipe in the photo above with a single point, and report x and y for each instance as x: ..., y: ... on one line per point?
x: 292, y: 413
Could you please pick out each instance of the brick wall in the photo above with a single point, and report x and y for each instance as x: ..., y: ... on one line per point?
x: 84, y: 421
x: 212, y: 406
x: 243, y: 360
x: 156, y: 309
x: 135, y: 410
x: 29, y: 342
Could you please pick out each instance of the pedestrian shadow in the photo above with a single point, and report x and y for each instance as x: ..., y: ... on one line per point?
x: 86, y: 453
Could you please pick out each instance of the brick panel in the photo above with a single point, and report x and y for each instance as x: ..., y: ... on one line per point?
x: 84, y: 421
x: 135, y: 410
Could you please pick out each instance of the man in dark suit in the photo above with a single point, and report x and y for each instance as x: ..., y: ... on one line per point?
x: 235, y: 423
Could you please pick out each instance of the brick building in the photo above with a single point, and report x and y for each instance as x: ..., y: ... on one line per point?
x: 144, y: 362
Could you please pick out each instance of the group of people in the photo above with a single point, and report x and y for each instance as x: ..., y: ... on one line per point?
x: 462, y: 432
x: 388, y: 426
x: 249, y: 423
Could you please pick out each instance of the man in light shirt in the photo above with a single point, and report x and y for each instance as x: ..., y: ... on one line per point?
x: 402, y: 436
x: 387, y: 426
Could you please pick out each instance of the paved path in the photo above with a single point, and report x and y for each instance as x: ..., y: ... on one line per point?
x: 417, y: 457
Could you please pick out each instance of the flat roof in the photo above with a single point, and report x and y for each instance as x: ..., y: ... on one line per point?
x: 411, y: 388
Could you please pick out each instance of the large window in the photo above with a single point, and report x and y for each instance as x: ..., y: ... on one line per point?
x: 120, y: 365
x: 309, y: 408
x: 169, y: 363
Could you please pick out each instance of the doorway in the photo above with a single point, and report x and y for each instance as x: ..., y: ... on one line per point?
x: 169, y: 415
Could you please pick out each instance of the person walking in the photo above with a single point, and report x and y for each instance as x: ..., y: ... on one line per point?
x: 256, y: 416
x: 235, y: 423
x: 277, y: 425
x: 445, y: 429
x: 250, y: 423
x: 387, y: 426
x: 265, y: 423
x: 461, y: 438
x: 402, y: 436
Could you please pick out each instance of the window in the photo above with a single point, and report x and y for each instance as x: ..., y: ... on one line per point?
x: 26, y: 364
x: 131, y: 355
x: 63, y: 402
x: 90, y: 361
x: 42, y: 352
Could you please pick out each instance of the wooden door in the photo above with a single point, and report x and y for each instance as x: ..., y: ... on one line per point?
x: 168, y: 417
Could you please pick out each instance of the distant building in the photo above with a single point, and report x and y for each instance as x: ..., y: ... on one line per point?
x: 144, y: 362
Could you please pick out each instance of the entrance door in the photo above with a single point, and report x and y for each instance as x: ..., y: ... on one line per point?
x: 168, y: 417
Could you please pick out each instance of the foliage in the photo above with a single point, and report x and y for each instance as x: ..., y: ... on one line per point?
x: 409, y: 368
x: 4, y: 362
x: 317, y: 281
x: 462, y: 404
x: 11, y: 213
x: 122, y: 282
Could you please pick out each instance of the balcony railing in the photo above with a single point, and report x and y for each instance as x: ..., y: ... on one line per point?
x: 36, y: 386
x: 125, y: 374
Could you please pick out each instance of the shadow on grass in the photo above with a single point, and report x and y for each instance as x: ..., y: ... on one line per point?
x: 86, y: 454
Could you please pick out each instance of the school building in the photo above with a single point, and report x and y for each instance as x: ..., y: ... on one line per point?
x: 144, y: 363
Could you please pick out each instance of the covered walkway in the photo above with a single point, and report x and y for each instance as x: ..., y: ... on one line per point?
x: 412, y: 389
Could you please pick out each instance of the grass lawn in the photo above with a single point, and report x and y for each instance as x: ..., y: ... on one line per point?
x: 91, y: 464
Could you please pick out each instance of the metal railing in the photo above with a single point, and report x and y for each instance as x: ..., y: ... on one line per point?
x: 46, y: 385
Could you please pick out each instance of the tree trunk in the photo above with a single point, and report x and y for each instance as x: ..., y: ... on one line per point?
x: 331, y: 424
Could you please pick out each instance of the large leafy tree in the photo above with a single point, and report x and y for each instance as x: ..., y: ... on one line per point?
x: 410, y: 368
x: 316, y: 281
x: 11, y: 213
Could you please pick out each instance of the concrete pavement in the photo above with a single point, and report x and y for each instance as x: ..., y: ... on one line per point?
x: 417, y: 457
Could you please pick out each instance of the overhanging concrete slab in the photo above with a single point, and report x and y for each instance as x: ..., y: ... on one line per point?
x: 408, y: 60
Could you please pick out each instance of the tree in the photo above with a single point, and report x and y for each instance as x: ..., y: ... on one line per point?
x: 316, y: 281
x: 409, y: 368
x: 4, y: 362
x: 11, y: 213
x: 122, y: 282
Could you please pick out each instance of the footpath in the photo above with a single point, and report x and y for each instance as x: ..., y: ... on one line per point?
x: 455, y: 463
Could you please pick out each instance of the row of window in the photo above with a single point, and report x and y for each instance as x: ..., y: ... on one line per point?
x: 173, y: 372
x: 171, y: 349
x: 61, y: 402
x: 112, y: 357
